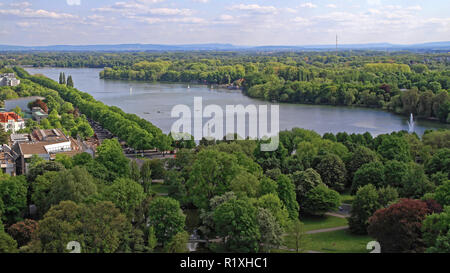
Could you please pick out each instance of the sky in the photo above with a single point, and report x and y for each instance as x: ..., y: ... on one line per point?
x: 238, y: 22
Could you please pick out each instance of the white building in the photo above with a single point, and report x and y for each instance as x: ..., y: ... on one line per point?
x: 9, y: 79
x: 11, y: 121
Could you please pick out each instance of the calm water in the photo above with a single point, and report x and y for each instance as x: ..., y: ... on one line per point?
x: 154, y: 102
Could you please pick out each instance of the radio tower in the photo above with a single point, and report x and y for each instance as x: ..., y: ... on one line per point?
x: 336, y: 45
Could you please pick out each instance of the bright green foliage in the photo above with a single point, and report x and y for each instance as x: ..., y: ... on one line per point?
x: 211, y: 175
x: 110, y: 154
x: 394, y: 148
x: 320, y: 200
x: 126, y: 195
x: 99, y: 228
x: 178, y: 243
x: 286, y: 192
x: 237, y: 220
x: 436, y: 232
x: 370, y: 173
x: 166, y: 217
x: 13, y: 193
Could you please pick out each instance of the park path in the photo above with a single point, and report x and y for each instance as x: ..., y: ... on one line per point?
x: 326, y: 230
x: 337, y: 215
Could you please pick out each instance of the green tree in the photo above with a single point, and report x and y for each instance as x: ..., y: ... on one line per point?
x: 415, y: 183
x: 320, y: 200
x: 305, y: 181
x: 286, y: 192
x: 13, y: 193
x: 135, y: 172
x: 332, y: 171
x: 236, y: 222
x: 436, y: 232
x: 275, y: 206
x: 69, y: 81
x: 362, y: 155
x: 245, y: 185
x: 270, y: 229
x: 146, y: 175
x: 99, y: 228
x: 394, y: 148
x: 110, y: 154
x: 364, y: 205
x: 297, y: 235
x: 126, y: 195
x: 370, y: 173
x: 211, y: 175
x: 7, y: 243
x: 178, y: 243
x: 167, y: 218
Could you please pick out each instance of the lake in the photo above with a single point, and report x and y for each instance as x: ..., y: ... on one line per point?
x: 154, y: 102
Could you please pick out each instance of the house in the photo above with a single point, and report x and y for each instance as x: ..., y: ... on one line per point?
x: 8, y: 160
x: 11, y: 121
x: 9, y: 79
x: 45, y: 144
x: 38, y: 114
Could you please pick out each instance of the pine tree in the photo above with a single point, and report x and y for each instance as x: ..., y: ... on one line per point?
x: 63, y: 78
x: 60, y: 78
x: 69, y: 81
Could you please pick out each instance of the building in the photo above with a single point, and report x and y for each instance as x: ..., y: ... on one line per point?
x: 9, y: 79
x: 11, y: 121
x: 21, y: 102
x: 8, y: 160
x: 45, y: 144
x: 38, y: 114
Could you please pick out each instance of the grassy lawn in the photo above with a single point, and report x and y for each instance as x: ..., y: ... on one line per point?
x: 346, y: 198
x: 160, y: 188
x: 312, y: 223
x: 341, y: 241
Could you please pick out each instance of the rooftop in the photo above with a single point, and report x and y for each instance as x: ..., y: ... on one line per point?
x: 7, y: 116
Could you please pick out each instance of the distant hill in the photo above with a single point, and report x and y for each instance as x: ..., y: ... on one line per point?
x: 435, y: 46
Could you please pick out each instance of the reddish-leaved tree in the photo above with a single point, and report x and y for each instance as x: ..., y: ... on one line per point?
x: 39, y: 103
x: 398, y: 227
x: 23, y: 231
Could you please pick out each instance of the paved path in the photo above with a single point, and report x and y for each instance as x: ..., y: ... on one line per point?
x: 326, y: 230
x: 337, y: 215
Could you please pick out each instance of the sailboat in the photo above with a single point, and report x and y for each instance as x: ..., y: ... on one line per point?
x: 131, y: 90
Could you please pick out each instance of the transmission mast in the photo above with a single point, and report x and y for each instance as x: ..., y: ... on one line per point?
x: 336, y: 45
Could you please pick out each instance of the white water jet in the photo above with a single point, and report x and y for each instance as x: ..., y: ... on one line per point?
x: 411, y: 124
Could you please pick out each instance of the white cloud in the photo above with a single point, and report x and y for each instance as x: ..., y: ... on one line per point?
x: 201, y: 1
x: 308, y: 5
x: 73, y: 2
x: 134, y: 8
x: 416, y: 8
x: 374, y: 2
x: 302, y: 21
x: 254, y: 8
x: 30, y: 13
x: 21, y: 5
x: 331, y: 6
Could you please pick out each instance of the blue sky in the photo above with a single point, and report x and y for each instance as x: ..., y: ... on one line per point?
x: 240, y: 22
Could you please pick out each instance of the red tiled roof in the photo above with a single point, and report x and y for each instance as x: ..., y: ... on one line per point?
x: 6, y: 116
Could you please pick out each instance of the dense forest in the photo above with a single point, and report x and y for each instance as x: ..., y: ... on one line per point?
x: 246, y: 200
x: 399, y: 82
